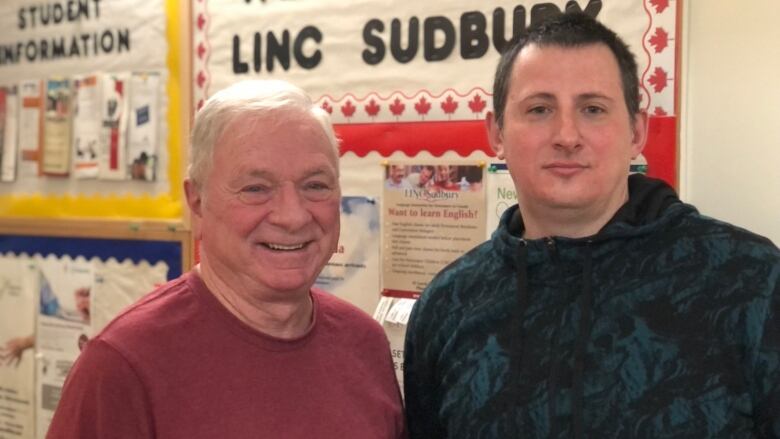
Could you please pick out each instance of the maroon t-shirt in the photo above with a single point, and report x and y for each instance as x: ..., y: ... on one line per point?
x: 177, y: 364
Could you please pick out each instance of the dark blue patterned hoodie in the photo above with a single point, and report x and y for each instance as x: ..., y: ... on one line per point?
x: 665, y: 324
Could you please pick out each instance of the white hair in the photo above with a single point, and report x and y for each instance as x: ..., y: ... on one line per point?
x: 262, y: 99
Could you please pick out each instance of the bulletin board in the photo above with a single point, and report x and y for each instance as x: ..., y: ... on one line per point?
x: 66, y: 40
x: 408, y: 85
x: 135, y: 241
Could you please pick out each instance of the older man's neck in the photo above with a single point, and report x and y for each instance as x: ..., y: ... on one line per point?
x: 287, y: 318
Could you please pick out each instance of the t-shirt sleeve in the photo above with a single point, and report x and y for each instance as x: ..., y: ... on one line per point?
x: 103, y: 397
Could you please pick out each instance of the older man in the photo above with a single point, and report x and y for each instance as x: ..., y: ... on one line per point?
x: 602, y: 307
x: 243, y: 346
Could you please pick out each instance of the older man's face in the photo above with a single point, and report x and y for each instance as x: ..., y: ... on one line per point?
x: 269, y: 211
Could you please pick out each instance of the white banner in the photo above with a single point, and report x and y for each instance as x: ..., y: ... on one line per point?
x: 352, y: 49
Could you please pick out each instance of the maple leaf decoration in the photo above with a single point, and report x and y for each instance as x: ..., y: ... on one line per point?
x: 327, y: 107
x: 201, y: 79
x: 372, y: 108
x: 348, y: 109
x: 201, y: 50
x: 659, y: 40
x: 449, y: 105
x: 200, y: 104
x: 201, y: 21
x: 477, y: 104
x: 660, y: 5
x: 422, y: 106
x: 659, y: 111
x: 397, y: 108
x: 658, y: 80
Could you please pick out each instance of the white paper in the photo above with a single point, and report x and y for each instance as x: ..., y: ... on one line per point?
x: 56, y: 127
x: 86, y: 125
x: 143, y: 126
x: 10, y: 137
x: 117, y: 285
x: 352, y: 273
x: 63, y: 326
x: 500, y: 195
x: 17, y: 332
x: 400, y: 311
x: 114, y: 117
x: 30, y: 127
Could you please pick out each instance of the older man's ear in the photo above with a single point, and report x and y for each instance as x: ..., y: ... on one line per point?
x: 195, y: 203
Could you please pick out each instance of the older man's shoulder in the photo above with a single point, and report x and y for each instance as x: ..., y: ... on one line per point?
x: 166, y: 306
x: 338, y: 314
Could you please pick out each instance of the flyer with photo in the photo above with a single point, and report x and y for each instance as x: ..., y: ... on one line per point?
x: 431, y: 215
x: 17, y: 341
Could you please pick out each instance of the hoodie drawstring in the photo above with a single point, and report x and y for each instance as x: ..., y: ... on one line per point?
x: 586, y: 305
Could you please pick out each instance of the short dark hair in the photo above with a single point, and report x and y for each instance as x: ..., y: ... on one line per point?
x: 570, y: 29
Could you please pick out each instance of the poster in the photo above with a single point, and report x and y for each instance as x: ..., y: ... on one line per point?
x: 352, y: 273
x: 58, y: 118
x: 78, y: 298
x: 63, y: 326
x: 17, y: 356
x: 431, y: 215
x: 113, y: 132
x: 86, y: 125
x: 30, y: 127
x: 144, y: 107
x: 10, y: 139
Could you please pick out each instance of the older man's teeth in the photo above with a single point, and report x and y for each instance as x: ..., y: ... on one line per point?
x: 284, y: 247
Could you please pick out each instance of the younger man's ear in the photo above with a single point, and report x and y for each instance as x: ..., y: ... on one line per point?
x: 495, y: 137
x: 639, y: 128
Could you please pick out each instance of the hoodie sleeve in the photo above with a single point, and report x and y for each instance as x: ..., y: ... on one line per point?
x: 767, y: 368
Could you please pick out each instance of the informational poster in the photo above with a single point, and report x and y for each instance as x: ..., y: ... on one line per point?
x: 30, y: 127
x: 17, y: 356
x: 144, y: 107
x: 63, y: 326
x: 500, y: 194
x: 58, y: 118
x: 431, y: 214
x: 86, y: 125
x: 76, y: 299
x: 10, y: 138
x: 113, y: 133
x: 353, y: 271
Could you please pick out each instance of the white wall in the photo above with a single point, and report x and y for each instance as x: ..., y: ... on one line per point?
x: 730, y: 112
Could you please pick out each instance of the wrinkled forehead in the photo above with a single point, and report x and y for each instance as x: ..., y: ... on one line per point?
x: 247, y: 127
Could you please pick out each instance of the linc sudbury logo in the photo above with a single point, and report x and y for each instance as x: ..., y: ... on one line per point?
x: 430, y: 196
